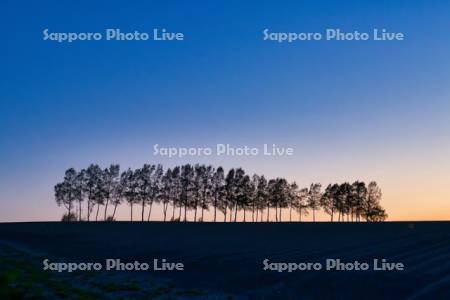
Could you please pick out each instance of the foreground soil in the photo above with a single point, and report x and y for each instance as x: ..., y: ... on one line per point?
x: 225, y: 261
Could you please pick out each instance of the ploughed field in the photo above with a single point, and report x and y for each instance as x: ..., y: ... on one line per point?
x: 227, y: 260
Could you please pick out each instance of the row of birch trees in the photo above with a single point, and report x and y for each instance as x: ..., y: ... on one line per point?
x: 95, y: 194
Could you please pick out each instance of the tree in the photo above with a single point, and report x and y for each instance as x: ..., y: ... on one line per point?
x: 118, y: 195
x: 344, y: 200
x: 254, y: 197
x: 372, y: 209
x: 187, y: 175
x: 166, y: 192
x: 65, y: 191
x: 206, y: 187
x: 198, y: 174
x: 93, y: 188
x: 130, y: 188
x: 329, y: 199
x: 230, y: 191
x: 293, y: 198
x: 176, y: 189
x: 302, y: 204
x: 79, y: 190
x: 239, y: 190
x: 218, y: 190
x: 156, y: 187
x: 314, y: 196
x: 271, y: 201
x: 279, y: 196
x: 359, y: 190
x: 140, y: 186
x: 244, y: 194
x: 286, y: 197
x: 262, y: 196
x: 111, y: 179
x: 144, y: 187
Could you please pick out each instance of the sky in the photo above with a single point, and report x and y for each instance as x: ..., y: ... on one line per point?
x: 352, y: 110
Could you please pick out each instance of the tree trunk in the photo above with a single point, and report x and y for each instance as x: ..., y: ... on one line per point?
x: 268, y: 212
x: 196, y: 207
x: 143, y: 209
x: 290, y: 214
x: 131, y: 205
x: 276, y: 213
x: 202, y: 212
x: 96, y: 215
x: 253, y: 212
x: 79, y: 211
x: 150, y: 210
x: 235, y: 213
x: 106, y: 208
x: 215, y: 208
x: 114, y: 212
x: 165, y: 210
x: 314, y: 214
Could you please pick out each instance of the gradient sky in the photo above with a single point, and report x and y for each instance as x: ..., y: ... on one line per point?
x: 352, y: 110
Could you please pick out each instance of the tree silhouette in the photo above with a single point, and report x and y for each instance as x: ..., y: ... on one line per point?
x: 241, y: 199
x: 293, y: 198
x: 201, y: 187
x: 65, y: 194
x: 176, y: 189
x: 79, y: 190
x: 130, y: 188
x: 302, y: 203
x: 218, y: 191
x: 360, y: 194
x: 262, y: 196
x: 206, y: 188
x: 372, y: 210
x: 329, y: 200
x: 166, y: 192
x: 230, y: 192
x: 187, y: 175
x: 117, y: 195
x: 110, y: 180
x: 314, y: 196
x: 93, y: 188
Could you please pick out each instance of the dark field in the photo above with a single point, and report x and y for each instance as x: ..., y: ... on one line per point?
x: 225, y: 261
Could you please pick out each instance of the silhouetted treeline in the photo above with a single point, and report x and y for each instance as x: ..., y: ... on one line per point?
x: 95, y: 194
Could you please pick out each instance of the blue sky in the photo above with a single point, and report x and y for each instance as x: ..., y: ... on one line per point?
x: 352, y: 110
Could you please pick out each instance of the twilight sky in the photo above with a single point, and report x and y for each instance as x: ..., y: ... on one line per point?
x: 366, y: 110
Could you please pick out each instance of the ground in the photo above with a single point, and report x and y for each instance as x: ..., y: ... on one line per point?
x: 225, y: 261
